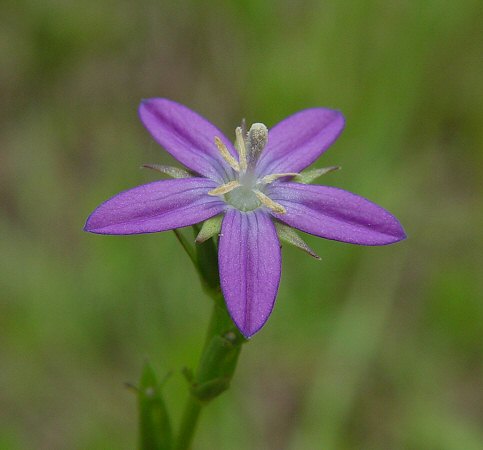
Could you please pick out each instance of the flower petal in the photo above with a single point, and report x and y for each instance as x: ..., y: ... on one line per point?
x: 159, y: 206
x: 250, y: 266
x: 187, y: 136
x: 335, y: 214
x: 297, y: 141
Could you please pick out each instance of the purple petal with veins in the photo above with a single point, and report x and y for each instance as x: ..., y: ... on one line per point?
x: 250, y: 266
x: 297, y: 141
x: 187, y: 136
x: 335, y: 214
x: 159, y: 206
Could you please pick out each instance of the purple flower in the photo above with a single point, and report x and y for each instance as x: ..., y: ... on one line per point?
x: 258, y: 188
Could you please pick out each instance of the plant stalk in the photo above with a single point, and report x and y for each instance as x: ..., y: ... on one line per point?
x: 215, y: 370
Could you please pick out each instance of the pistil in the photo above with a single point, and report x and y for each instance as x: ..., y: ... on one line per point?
x: 257, y: 140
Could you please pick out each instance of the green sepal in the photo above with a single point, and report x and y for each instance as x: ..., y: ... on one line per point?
x: 290, y: 236
x: 210, y: 228
x: 173, y: 172
x: 307, y: 176
x: 155, y: 432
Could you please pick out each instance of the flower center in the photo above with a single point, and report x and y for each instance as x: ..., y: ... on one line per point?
x: 243, y: 198
x: 245, y: 191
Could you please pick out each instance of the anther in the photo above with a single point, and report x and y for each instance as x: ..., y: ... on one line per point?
x: 269, y: 203
x: 224, y: 188
x: 226, y: 154
x: 242, y: 149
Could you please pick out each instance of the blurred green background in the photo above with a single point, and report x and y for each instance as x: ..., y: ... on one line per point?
x: 371, y: 348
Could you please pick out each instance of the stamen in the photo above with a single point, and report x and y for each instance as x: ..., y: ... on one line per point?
x: 269, y: 203
x: 267, y: 179
x: 224, y: 188
x: 226, y: 154
x: 242, y: 150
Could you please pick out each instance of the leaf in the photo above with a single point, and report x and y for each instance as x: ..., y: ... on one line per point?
x: 155, y: 431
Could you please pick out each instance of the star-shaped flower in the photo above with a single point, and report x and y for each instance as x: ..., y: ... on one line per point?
x: 257, y: 187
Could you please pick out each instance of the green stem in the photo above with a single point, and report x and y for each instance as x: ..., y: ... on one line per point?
x: 189, y: 421
x: 215, y: 371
